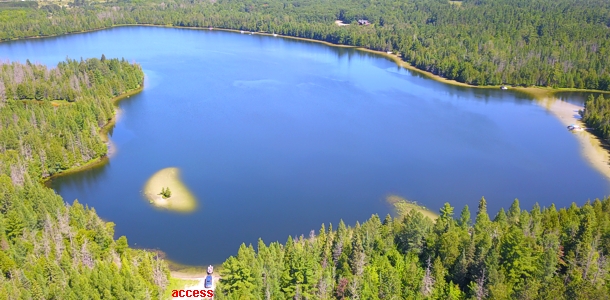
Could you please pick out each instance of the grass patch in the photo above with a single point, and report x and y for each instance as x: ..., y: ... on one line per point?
x: 178, y: 270
x: 177, y: 284
x: 185, y: 271
x: 404, y: 206
x: 537, y: 93
x: 57, y: 103
x: 540, y: 93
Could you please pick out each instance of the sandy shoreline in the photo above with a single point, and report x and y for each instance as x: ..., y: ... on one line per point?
x: 591, y: 147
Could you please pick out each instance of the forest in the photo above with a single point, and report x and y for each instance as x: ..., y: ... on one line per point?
x: 597, y: 115
x: 551, y: 43
x: 543, y: 253
x: 49, y: 122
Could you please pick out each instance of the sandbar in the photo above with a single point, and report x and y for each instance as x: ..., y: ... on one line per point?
x: 181, y: 200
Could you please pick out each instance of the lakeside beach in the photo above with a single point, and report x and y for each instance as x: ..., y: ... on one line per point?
x: 592, y: 148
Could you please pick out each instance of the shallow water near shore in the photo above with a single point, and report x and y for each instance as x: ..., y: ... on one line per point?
x: 275, y: 137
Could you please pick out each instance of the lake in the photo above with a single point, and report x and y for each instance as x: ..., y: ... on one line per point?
x: 276, y: 136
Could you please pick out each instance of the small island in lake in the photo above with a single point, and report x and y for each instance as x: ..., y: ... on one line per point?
x: 165, y: 190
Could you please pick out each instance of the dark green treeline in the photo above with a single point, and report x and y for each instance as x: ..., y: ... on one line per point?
x: 49, y: 121
x: 557, y: 43
x: 597, y: 115
x: 543, y: 253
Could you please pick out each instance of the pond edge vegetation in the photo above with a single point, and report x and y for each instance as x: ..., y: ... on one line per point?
x: 103, y: 133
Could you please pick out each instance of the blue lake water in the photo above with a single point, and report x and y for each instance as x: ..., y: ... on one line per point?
x: 277, y: 136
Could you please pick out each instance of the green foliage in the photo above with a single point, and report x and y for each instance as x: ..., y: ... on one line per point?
x: 41, y: 138
x: 49, y: 249
x: 542, y: 253
x: 165, y: 193
x: 597, y: 115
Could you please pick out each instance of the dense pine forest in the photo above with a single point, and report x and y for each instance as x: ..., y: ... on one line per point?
x: 49, y: 122
x: 597, y: 115
x: 556, y: 43
x: 543, y: 253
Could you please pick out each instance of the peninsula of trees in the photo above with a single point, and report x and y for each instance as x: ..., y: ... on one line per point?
x: 555, y: 43
x: 49, y: 122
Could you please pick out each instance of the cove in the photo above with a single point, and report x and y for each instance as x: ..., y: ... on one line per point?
x: 276, y: 136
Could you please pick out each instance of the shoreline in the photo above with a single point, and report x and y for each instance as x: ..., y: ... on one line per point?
x: 186, y: 276
x: 542, y: 95
x: 103, y: 133
x: 592, y: 149
x: 182, y: 270
x: 534, y: 91
x: 402, y: 206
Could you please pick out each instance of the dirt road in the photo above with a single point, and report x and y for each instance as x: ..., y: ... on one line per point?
x: 200, y: 285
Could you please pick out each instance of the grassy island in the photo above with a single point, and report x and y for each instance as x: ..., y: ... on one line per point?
x: 165, y: 190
